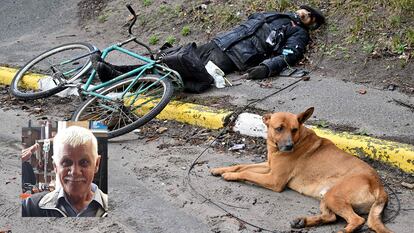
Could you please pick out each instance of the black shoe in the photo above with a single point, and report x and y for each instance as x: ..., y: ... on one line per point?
x: 105, y: 70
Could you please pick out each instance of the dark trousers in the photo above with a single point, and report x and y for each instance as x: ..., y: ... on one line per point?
x: 211, y: 52
x: 28, y: 175
x: 207, y: 52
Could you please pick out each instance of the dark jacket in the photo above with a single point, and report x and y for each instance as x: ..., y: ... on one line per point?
x: 262, y: 39
x: 45, y: 204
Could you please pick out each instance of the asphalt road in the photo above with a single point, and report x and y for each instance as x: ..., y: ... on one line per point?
x: 147, y: 192
x: 29, y: 28
x: 146, y: 188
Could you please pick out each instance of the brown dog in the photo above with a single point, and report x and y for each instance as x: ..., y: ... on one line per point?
x: 314, y: 166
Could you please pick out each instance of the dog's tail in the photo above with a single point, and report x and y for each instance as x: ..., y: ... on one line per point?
x: 375, y: 213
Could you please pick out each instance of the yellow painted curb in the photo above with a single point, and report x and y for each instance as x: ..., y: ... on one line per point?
x: 396, y: 154
x: 188, y: 113
x: 30, y: 81
x: 195, y: 114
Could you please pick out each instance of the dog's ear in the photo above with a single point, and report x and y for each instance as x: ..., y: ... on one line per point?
x: 302, y: 117
x: 266, y: 118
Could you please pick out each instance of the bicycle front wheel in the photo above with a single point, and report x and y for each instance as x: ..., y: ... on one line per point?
x: 127, y: 104
x: 48, y: 73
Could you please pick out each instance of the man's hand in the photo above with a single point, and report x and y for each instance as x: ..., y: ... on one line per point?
x: 27, y: 153
x: 258, y: 72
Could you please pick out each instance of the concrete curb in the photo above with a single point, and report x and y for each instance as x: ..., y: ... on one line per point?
x: 195, y: 114
x: 395, y: 154
x: 29, y: 81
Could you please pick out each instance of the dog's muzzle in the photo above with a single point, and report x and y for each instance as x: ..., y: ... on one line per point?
x: 283, y: 148
x: 286, y: 148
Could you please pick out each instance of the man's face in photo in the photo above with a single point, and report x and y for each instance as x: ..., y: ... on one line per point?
x: 76, y: 168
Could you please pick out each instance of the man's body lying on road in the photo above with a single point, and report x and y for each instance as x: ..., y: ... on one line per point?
x: 262, y: 46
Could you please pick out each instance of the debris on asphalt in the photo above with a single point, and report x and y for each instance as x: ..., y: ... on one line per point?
x: 161, y: 130
x: 37, y: 110
x: 152, y: 138
x: 61, y: 108
x: 237, y: 147
x: 391, y: 87
x: 266, y: 84
x: 362, y: 91
x: 407, y: 185
x: 136, y: 131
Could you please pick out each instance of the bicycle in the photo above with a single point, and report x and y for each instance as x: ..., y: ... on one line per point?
x: 123, y: 103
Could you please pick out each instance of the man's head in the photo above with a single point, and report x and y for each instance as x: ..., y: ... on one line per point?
x: 76, y: 159
x: 310, y: 17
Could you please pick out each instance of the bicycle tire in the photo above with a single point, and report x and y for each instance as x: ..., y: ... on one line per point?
x: 36, y: 66
x: 98, y: 109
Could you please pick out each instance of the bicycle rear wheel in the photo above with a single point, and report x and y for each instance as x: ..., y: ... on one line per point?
x: 48, y: 73
x: 128, y: 104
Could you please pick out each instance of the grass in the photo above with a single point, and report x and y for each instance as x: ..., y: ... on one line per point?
x: 102, y: 18
x: 395, y: 20
x: 409, y: 37
x: 169, y: 11
x: 403, y: 5
x: 322, y: 124
x: 333, y: 29
x: 153, y: 40
x: 185, y: 31
x: 368, y: 47
x: 398, y: 46
x: 171, y: 40
x: 147, y: 3
x: 362, y: 132
x: 142, y: 20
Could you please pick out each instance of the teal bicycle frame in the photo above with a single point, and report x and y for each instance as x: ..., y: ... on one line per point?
x: 150, y: 64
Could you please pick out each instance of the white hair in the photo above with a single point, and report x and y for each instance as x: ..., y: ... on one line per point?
x: 73, y: 136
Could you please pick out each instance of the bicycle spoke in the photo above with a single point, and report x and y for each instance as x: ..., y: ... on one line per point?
x: 129, y: 117
x: 96, y: 112
x: 95, y: 115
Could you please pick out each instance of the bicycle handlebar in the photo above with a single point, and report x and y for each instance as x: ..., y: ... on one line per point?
x: 130, y: 31
x: 133, y: 20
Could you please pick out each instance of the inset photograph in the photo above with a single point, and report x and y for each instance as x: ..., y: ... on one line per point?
x: 64, y: 169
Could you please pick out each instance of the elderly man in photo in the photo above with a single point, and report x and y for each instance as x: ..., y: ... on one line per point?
x: 76, y: 160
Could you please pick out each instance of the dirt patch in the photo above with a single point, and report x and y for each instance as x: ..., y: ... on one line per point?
x: 219, y: 102
x: 90, y: 10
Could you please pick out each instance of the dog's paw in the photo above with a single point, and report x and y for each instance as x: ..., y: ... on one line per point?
x: 298, y: 223
x: 216, y: 171
x: 230, y: 176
